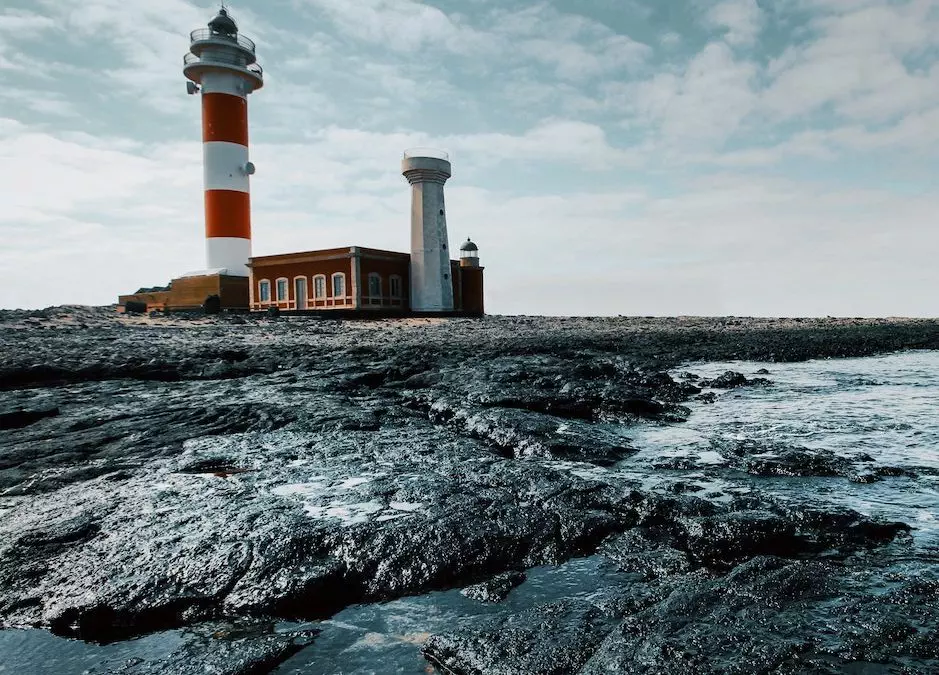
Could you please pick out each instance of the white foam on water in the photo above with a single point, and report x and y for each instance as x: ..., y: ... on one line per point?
x: 711, y: 457
x: 313, y: 487
x: 349, y: 514
x: 354, y: 481
x: 406, y: 506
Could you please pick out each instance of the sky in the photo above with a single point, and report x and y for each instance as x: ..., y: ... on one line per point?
x: 635, y: 157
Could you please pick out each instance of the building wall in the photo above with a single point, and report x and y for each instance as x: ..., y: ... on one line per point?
x: 472, y: 295
x: 307, y: 266
x: 385, y: 266
x: 456, y: 285
x: 192, y: 292
x: 233, y: 291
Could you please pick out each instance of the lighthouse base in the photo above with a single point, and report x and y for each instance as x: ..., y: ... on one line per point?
x: 192, y: 292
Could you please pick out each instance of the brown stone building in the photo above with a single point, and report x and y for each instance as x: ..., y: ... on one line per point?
x: 192, y: 292
x: 354, y: 278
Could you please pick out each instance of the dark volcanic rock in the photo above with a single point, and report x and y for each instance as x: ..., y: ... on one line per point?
x: 17, y: 419
x: 762, y: 458
x: 321, y: 521
x: 748, y: 621
x: 766, y: 615
x: 495, y: 589
x: 641, y: 552
x: 205, y: 469
x: 554, y: 640
x: 731, y: 379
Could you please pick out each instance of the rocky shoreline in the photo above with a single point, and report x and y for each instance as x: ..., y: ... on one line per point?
x: 185, y: 471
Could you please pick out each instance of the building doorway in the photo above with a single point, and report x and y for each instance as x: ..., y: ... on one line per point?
x: 299, y: 292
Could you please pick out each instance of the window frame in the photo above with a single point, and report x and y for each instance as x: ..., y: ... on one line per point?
x: 286, y: 297
x: 391, y: 286
x: 264, y: 284
x: 374, y: 298
x: 335, y: 276
x: 317, y: 296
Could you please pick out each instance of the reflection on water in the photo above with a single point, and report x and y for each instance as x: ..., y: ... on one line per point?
x: 885, y: 407
x: 386, y: 638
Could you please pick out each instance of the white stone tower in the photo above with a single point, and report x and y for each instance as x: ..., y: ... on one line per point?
x: 223, y: 64
x: 431, y: 285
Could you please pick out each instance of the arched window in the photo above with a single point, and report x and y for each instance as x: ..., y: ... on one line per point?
x: 374, y: 287
x: 281, y: 290
x: 339, y: 285
x: 394, y: 281
x: 264, y: 290
x: 319, y: 286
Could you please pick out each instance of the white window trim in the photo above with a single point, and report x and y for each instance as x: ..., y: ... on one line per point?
x: 277, y: 288
x: 332, y: 284
x: 325, y: 295
x: 261, y: 283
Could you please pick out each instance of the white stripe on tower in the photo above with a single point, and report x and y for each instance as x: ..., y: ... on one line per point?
x: 225, y: 157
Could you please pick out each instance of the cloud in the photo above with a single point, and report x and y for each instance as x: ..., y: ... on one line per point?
x: 401, y: 25
x: 740, y: 20
x: 23, y: 23
x: 858, y: 62
x: 38, y: 101
x: 573, y: 45
x: 701, y: 105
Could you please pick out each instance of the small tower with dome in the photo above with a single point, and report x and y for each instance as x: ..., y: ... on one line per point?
x: 471, y: 279
x: 469, y: 254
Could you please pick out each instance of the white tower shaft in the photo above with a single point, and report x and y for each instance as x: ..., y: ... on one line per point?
x: 431, y: 282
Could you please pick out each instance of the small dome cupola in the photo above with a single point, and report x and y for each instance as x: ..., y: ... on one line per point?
x: 223, y: 24
x: 469, y: 254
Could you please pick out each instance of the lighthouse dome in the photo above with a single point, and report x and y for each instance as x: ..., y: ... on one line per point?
x: 223, y: 23
x: 468, y: 245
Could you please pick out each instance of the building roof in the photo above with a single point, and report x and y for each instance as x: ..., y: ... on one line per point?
x: 322, y: 254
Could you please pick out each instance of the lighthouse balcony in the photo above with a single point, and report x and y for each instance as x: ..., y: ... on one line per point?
x: 206, y: 38
x: 194, y: 65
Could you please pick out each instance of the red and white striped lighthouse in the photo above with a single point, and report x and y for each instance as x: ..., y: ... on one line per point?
x: 222, y: 64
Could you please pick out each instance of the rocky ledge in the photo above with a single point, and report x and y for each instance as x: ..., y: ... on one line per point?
x: 167, y: 472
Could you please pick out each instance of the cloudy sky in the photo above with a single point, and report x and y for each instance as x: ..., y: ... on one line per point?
x: 748, y: 157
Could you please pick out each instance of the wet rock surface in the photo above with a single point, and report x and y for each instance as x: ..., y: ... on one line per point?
x: 495, y: 589
x: 211, y: 471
